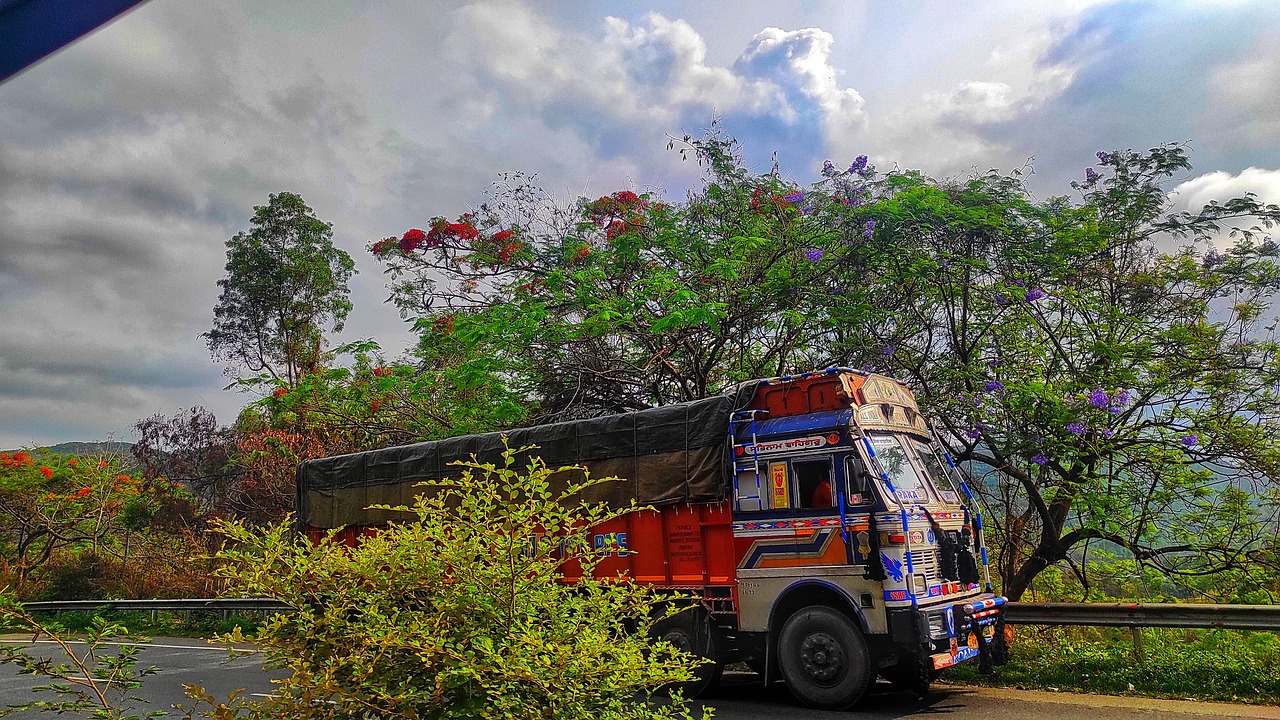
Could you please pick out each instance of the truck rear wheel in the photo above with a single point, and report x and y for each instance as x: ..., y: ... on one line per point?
x: 823, y: 659
x: 691, y: 632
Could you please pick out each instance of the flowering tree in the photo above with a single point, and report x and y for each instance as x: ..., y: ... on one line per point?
x: 1124, y: 393
x: 56, y: 509
x: 627, y: 301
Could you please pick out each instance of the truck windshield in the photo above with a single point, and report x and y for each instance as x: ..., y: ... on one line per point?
x: 936, y: 471
x: 893, y: 457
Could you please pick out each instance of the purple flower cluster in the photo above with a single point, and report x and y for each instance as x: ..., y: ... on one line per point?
x: 1111, y: 403
x: 888, y: 350
x: 1002, y: 301
x: 794, y: 197
x: 868, y: 229
x: 828, y: 167
x: 859, y: 166
x: 1091, y: 177
x: 1103, y: 158
x: 993, y: 386
x: 1034, y: 294
x: 1213, y: 258
x: 1098, y: 398
x: 1190, y: 440
x: 813, y: 254
x: 1076, y: 427
x: 1039, y: 459
x: 1107, y: 433
x: 973, y: 433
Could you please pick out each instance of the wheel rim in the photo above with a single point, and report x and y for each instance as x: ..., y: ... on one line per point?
x: 823, y: 658
x: 680, y: 640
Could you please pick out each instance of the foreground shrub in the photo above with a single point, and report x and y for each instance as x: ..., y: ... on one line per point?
x: 458, y: 612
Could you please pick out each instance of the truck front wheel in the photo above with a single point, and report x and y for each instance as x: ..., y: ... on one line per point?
x: 823, y: 659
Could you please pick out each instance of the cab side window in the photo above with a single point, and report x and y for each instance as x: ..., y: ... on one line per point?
x: 815, y: 484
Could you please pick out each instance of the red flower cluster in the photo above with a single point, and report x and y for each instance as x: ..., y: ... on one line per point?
x: 761, y: 204
x: 382, y: 247
x: 82, y: 492
x: 579, y: 255
x: 16, y: 460
x: 412, y: 239
x: 381, y: 371
x: 279, y: 393
x: 618, y: 228
x: 617, y: 206
x: 46, y: 472
x: 443, y: 324
x: 373, y: 406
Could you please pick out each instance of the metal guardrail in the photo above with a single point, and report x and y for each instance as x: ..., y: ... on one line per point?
x: 175, y: 604
x: 1136, y: 615
x: 1130, y: 615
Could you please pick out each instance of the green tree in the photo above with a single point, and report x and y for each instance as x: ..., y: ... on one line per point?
x: 458, y: 612
x: 285, y: 284
x: 1124, y: 390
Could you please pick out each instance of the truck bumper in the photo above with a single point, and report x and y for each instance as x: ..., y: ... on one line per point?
x: 970, y: 626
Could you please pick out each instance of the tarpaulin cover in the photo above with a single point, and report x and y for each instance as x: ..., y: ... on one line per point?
x: 665, y: 455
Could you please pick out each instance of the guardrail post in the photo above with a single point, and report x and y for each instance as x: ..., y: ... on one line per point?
x: 1138, y: 653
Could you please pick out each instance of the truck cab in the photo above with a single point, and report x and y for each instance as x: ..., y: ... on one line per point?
x: 858, y: 547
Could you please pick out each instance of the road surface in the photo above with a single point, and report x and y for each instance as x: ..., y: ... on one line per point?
x: 741, y: 696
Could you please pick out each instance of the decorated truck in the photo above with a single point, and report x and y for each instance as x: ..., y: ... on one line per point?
x: 823, y: 531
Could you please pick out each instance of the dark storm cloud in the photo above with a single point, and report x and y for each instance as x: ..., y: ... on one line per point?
x: 125, y: 164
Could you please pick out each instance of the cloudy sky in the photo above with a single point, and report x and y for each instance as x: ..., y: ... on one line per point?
x: 128, y: 159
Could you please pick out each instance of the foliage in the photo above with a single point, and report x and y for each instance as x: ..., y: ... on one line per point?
x: 457, y: 612
x: 1124, y: 392
x: 285, y: 283
x: 190, y: 448
x: 366, y: 403
x: 1219, y: 665
x: 625, y: 301
x: 72, y: 522
x: 88, y: 681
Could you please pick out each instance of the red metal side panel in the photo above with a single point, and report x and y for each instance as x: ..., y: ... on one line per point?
x: 675, y: 546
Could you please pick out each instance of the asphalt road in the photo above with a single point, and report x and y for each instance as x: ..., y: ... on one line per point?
x: 741, y: 696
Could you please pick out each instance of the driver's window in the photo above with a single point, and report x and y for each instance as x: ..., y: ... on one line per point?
x: 859, y: 481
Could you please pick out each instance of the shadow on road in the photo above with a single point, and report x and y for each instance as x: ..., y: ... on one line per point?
x: 744, y: 696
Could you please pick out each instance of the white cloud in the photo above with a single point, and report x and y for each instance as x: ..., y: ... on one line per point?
x: 651, y: 74
x: 1199, y: 191
x: 947, y: 131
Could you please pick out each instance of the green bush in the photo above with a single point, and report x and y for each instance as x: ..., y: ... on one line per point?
x: 1203, y: 664
x: 455, y: 613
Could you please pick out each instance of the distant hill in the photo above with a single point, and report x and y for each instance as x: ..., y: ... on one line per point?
x: 122, y: 450
x: 92, y: 448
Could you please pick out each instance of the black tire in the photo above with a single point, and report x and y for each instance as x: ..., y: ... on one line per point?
x: 691, y: 631
x: 823, y: 659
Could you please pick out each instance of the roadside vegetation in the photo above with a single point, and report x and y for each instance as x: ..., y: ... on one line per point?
x: 1222, y: 665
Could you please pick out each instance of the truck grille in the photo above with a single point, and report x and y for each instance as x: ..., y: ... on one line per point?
x: 925, y: 562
